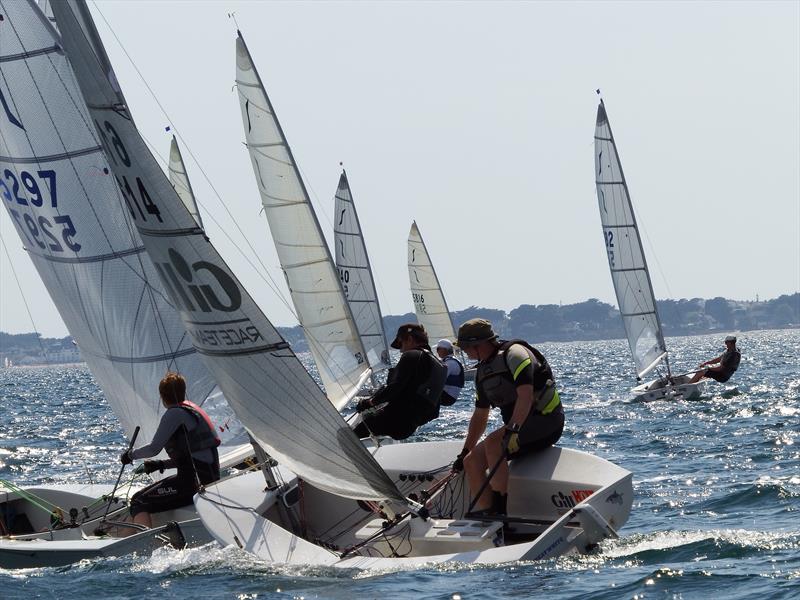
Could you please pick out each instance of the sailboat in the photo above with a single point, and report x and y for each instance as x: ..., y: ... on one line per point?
x: 632, y: 284
x: 70, y: 213
x: 427, y: 295
x: 355, y: 275
x: 396, y: 505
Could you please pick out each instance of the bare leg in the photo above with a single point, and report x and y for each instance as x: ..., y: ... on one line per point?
x: 698, y: 376
x: 143, y: 518
x: 475, y: 467
x: 494, y: 452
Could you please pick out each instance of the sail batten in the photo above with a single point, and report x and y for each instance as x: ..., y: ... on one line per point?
x: 302, y: 250
x: 626, y: 259
x: 355, y: 275
x: 426, y: 291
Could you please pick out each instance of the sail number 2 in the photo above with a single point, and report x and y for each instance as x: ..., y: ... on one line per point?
x: 38, y: 230
x: 609, y: 236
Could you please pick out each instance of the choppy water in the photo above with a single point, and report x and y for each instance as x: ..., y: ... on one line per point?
x: 717, y: 489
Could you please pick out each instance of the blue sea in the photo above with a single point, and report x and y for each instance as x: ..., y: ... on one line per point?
x: 717, y: 485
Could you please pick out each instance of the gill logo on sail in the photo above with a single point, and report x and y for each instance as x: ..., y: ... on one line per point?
x: 193, y: 293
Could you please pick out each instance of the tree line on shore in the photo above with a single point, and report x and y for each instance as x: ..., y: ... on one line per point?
x: 589, y: 320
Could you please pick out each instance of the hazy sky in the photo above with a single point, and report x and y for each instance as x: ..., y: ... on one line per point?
x: 477, y: 120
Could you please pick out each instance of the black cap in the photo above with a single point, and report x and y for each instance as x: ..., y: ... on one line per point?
x: 413, y: 329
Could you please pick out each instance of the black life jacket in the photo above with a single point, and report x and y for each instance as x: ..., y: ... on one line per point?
x: 429, y: 392
x: 202, y: 437
x: 733, y: 364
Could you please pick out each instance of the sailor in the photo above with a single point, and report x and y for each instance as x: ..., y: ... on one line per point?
x: 412, y: 392
x: 723, y: 366
x: 455, y: 373
x: 514, y: 377
x: 190, y: 439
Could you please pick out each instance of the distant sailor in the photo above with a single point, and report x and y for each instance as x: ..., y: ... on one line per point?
x: 514, y: 377
x: 189, y: 437
x: 455, y: 373
x: 412, y: 392
x: 723, y: 366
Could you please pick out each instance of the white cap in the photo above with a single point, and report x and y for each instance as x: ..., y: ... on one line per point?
x: 730, y: 338
x: 445, y: 345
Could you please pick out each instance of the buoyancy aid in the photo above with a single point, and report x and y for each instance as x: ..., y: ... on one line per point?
x: 429, y: 392
x: 732, y: 363
x: 496, y: 383
x: 454, y: 379
x: 203, y: 436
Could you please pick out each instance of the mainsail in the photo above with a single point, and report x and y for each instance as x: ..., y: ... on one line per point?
x: 274, y: 396
x: 429, y: 302
x: 180, y: 181
x: 70, y: 215
x: 632, y: 284
x: 317, y: 295
x: 355, y: 274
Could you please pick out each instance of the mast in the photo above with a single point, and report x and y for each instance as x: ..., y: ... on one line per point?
x: 626, y: 258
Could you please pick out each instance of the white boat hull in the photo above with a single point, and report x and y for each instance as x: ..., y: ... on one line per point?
x: 33, y: 543
x: 560, y: 500
x: 661, y: 389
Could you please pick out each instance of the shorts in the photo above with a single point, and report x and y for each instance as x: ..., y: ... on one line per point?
x: 175, y: 491
x: 720, y: 376
x: 539, y: 432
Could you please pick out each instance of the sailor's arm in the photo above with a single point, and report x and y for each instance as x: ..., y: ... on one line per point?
x: 477, y: 425
x: 170, y: 422
x: 396, y: 390
x: 712, y: 361
x: 523, y: 405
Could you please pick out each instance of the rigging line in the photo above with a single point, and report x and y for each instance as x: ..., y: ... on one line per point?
x: 186, y: 145
x: 24, y: 300
x: 274, y: 286
x: 265, y: 276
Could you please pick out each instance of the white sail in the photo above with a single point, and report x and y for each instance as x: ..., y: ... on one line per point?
x: 304, y: 255
x: 429, y: 302
x: 635, y: 297
x: 355, y: 275
x: 56, y: 185
x: 179, y: 179
x: 273, y: 395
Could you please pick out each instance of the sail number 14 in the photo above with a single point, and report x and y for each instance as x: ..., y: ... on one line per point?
x: 136, y: 196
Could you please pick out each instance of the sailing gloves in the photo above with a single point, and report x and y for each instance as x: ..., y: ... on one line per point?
x: 511, y: 439
x: 364, y: 404
x: 150, y: 466
x: 458, y: 463
x: 125, y: 457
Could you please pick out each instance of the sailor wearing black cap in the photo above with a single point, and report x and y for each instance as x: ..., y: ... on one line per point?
x: 412, y: 392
